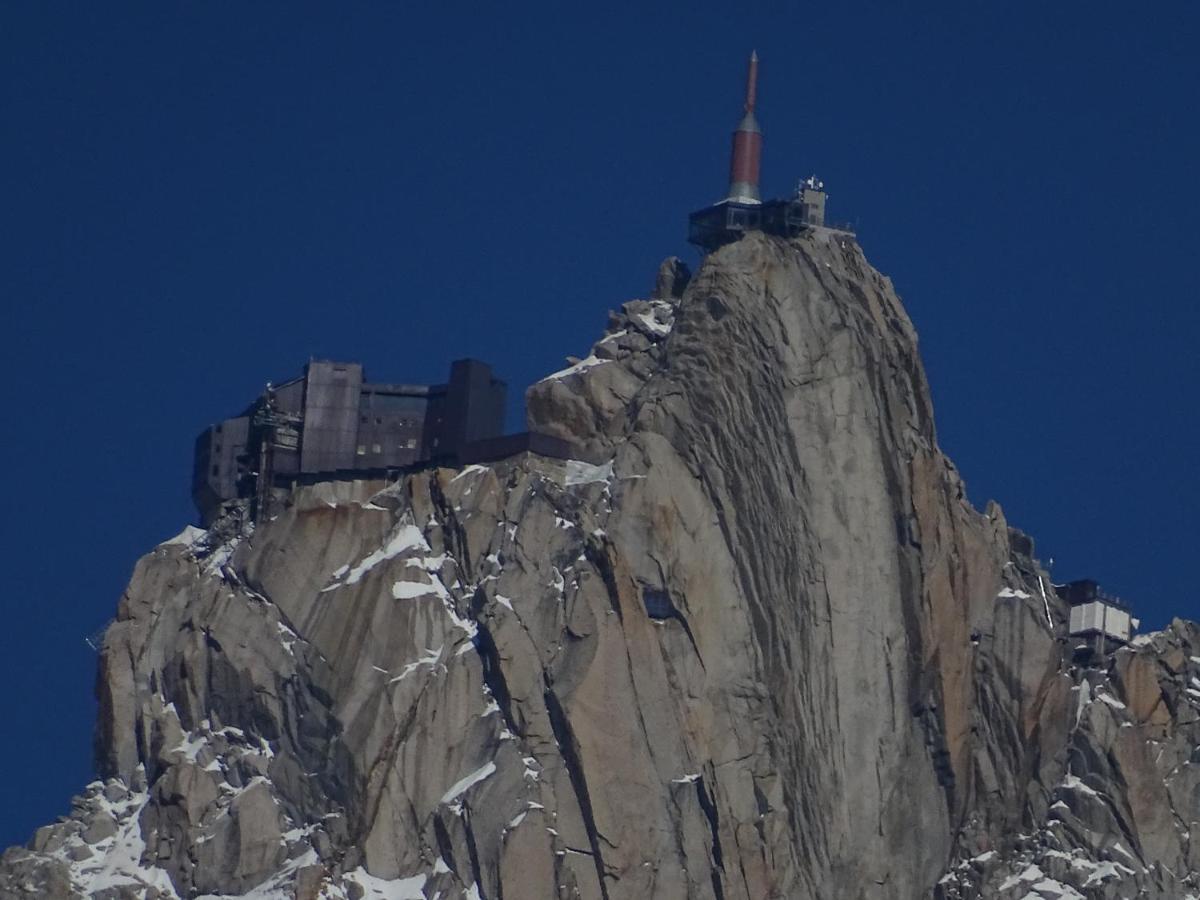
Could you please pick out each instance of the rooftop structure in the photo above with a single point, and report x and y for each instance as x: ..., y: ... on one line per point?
x: 330, y: 419
x: 742, y: 209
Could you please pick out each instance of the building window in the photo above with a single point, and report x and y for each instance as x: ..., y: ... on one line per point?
x: 216, y: 471
x: 412, y: 443
x: 378, y: 420
x: 375, y: 448
x: 362, y: 450
x: 364, y: 419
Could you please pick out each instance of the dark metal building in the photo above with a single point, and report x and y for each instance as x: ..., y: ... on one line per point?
x: 331, y: 419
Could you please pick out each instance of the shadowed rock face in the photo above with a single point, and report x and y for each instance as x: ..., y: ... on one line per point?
x: 767, y: 650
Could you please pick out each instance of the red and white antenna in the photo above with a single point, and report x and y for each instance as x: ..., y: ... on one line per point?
x: 747, y: 145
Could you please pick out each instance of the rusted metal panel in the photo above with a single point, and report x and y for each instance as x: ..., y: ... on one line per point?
x: 744, y: 164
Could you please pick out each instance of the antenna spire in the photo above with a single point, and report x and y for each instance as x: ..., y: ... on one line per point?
x: 747, y: 145
x: 751, y: 81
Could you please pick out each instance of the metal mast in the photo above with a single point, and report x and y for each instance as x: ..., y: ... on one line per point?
x: 747, y: 145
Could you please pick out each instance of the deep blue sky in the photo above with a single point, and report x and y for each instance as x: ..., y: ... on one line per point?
x: 196, y: 198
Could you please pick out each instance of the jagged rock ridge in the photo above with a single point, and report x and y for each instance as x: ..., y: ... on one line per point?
x: 767, y: 649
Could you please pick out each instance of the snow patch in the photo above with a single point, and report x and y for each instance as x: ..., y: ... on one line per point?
x: 117, y: 860
x: 653, y: 325
x: 428, y: 563
x: 1085, y: 698
x: 407, y: 537
x: 465, y: 624
x: 287, y: 637
x: 1049, y: 889
x: 1031, y: 873
x: 579, y: 472
x: 1103, y: 871
x: 214, y: 564
x: 411, y: 590
x: 582, y: 366
x: 1071, y: 783
x: 189, y: 537
x: 431, y: 658
x: 1008, y: 593
x: 379, y: 889
x: 461, y: 786
x: 1119, y: 849
x: 469, y: 470
x: 190, y: 746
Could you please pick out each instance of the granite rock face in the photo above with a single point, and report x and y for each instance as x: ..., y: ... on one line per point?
x: 766, y: 649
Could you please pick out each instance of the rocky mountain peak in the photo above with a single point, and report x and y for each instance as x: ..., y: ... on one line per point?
x: 754, y: 642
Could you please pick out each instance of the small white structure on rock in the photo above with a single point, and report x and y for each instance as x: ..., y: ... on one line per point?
x: 1095, y: 613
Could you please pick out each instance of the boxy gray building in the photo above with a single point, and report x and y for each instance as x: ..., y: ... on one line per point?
x: 330, y: 419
